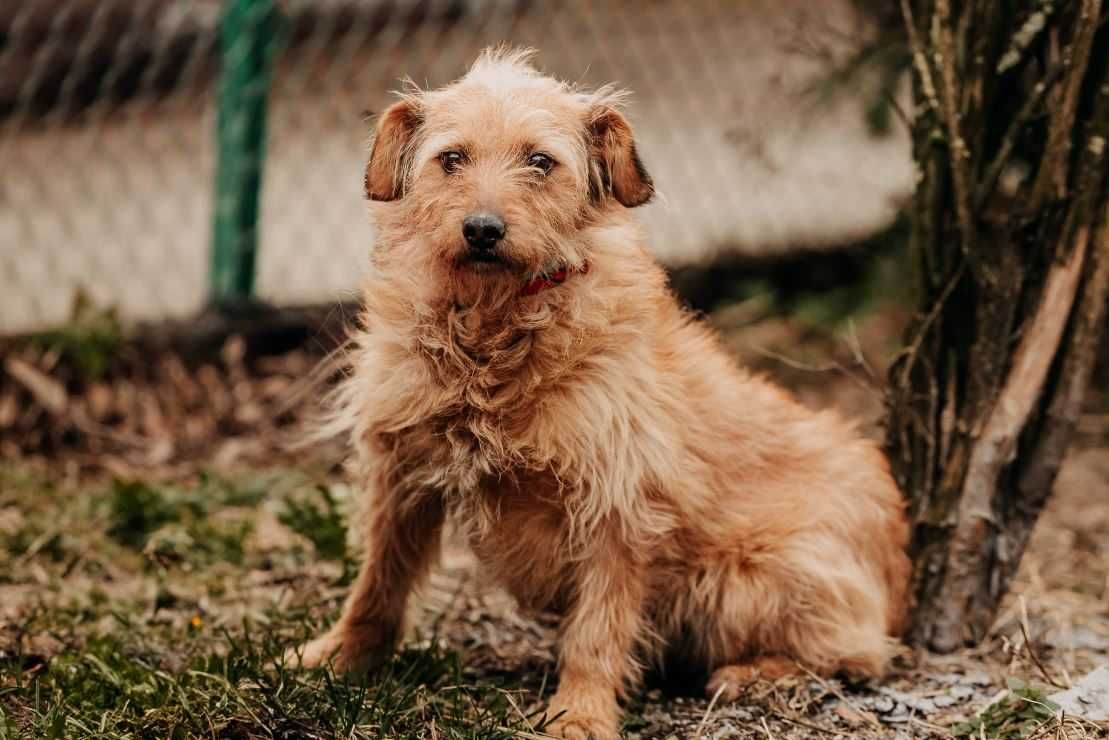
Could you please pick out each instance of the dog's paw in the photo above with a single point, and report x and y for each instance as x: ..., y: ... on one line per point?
x: 315, y: 653
x: 570, y: 727
x: 343, y: 652
x: 732, y: 680
x: 581, y: 721
x: 727, y: 684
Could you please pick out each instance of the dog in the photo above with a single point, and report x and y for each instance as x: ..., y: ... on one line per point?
x: 524, y: 372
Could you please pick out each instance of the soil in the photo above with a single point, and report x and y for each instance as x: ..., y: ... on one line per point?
x: 174, y: 421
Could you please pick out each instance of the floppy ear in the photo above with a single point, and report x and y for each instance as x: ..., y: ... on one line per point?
x: 385, y: 172
x: 614, y: 148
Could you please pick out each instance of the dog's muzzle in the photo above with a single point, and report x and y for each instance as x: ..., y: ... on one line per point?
x: 483, y: 231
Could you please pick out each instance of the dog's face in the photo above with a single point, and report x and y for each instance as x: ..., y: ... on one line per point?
x: 499, y: 171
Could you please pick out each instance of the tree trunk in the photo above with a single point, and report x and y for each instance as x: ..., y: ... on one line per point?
x: 1010, y: 234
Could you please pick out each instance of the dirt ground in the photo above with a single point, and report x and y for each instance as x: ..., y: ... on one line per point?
x: 164, y: 525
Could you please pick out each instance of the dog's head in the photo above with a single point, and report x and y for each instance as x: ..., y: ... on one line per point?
x: 497, y: 173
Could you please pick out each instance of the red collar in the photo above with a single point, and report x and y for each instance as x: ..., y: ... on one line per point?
x: 551, y: 279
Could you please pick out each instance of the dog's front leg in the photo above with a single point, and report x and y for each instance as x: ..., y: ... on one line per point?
x: 402, y: 537
x: 599, y: 636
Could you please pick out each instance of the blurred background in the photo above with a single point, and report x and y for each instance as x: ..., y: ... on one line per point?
x: 183, y: 227
x: 761, y: 133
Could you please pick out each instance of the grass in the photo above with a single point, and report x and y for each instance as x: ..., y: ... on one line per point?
x: 232, y: 685
x: 1016, y: 716
x: 138, y: 608
x: 142, y: 621
x: 319, y: 517
x: 87, y: 340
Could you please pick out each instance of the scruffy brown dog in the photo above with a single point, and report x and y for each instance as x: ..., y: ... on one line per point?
x: 524, y: 370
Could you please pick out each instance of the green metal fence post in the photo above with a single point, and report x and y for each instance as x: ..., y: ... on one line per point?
x: 248, y: 39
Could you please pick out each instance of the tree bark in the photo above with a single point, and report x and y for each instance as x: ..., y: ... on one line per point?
x: 1010, y: 235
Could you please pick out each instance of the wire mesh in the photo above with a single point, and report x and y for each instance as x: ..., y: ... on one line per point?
x: 107, y: 134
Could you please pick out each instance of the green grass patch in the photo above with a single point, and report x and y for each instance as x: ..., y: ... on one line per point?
x: 147, y: 614
x: 128, y: 685
x: 1024, y: 711
x: 318, y: 516
x: 175, y: 524
x: 88, y: 340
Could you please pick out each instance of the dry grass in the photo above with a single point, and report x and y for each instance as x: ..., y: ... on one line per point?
x: 144, y: 597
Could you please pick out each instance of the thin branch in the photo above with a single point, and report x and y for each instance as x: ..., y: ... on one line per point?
x: 831, y: 689
x: 901, y: 113
x: 867, y: 383
x: 708, y: 711
x: 1009, y: 140
x: 1029, y: 31
x: 1051, y: 180
x: 527, y: 720
x: 807, y: 725
x: 911, y: 351
x: 944, y: 40
x: 856, y: 347
x: 1031, y: 650
x: 920, y: 61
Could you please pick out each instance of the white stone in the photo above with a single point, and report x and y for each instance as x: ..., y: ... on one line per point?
x: 1089, y: 698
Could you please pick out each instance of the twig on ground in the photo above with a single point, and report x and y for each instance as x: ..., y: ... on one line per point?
x: 870, y: 718
x: 1030, y: 649
x: 807, y: 725
x: 46, y: 390
x: 708, y: 710
x: 524, y: 717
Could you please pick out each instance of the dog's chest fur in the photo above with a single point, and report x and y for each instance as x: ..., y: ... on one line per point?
x: 467, y: 433
x: 459, y: 411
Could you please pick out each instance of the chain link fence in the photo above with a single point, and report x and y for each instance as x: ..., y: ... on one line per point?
x: 109, y: 113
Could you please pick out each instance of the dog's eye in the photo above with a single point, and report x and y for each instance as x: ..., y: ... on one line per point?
x: 451, y: 161
x: 541, y: 162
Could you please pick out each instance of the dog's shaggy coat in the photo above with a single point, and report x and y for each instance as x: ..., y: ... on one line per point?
x: 604, y: 455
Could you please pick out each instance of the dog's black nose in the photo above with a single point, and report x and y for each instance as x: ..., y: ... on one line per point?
x: 483, y: 231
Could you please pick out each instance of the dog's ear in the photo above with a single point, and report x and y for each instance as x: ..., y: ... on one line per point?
x: 614, y: 149
x: 385, y: 172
